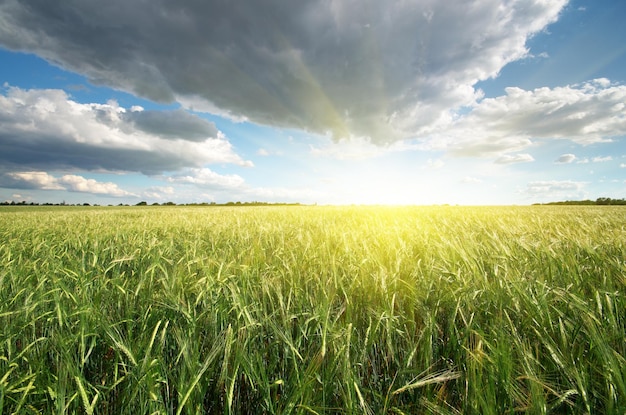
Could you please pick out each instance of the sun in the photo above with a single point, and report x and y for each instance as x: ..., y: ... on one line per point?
x: 374, y: 187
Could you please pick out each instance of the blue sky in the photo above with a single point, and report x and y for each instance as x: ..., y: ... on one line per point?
x: 335, y: 102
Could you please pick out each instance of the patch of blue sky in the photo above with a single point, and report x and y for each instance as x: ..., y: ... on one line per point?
x: 28, y: 71
x: 571, y: 50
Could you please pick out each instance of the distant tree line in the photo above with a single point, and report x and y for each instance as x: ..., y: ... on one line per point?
x: 144, y: 203
x: 25, y: 203
x: 599, y: 201
x: 254, y: 203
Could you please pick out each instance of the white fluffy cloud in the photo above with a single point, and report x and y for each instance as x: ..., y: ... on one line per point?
x: 70, y: 182
x: 514, y: 158
x: 556, y: 189
x: 75, y: 183
x: 383, y: 70
x: 159, y: 192
x: 350, y: 149
x: 33, y: 180
x: 587, y: 113
x: 204, y: 177
x: 233, y: 187
x: 45, y: 129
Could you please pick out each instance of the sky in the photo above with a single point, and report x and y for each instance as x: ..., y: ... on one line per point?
x: 483, y: 102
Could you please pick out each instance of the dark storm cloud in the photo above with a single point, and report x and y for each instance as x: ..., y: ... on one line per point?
x: 45, y: 130
x: 172, y: 124
x: 48, y: 153
x: 384, y: 70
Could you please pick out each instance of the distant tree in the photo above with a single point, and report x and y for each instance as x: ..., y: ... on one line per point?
x: 601, y: 201
x: 142, y: 203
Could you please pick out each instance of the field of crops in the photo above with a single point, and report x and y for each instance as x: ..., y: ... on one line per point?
x: 313, y: 310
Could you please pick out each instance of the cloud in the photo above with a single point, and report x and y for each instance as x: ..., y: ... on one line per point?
x: 351, y: 149
x: 176, y: 124
x: 566, y: 159
x: 31, y: 180
x: 553, y: 185
x: 70, y: 182
x: 206, y: 178
x: 231, y: 187
x: 261, y: 194
x: 434, y: 164
x: 587, y: 113
x: 601, y: 159
x: 556, y: 189
x: 385, y: 71
x: 471, y: 180
x: 46, y: 130
x: 75, y: 183
x: 159, y: 192
x: 514, y: 158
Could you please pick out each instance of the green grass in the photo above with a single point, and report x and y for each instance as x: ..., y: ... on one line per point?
x: 313, y: 310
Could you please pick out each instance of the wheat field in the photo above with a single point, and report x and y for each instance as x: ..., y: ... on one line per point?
x: 313, y: 310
